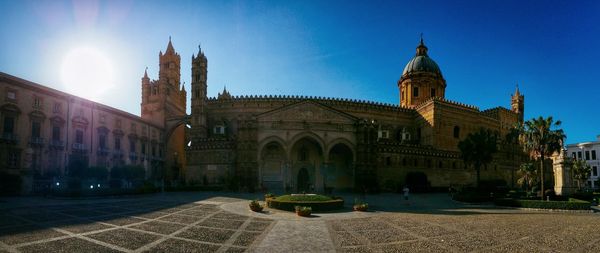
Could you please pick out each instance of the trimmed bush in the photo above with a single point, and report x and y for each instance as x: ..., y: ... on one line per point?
x: 303, y: 211
x: 316, y: 202
x: 255, y: 206
x: 572, y: 204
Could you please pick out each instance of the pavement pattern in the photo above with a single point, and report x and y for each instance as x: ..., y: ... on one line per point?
x: 217, y: 223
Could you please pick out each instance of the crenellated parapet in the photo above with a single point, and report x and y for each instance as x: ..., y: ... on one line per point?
x: 447, y: 102
x: 362, y: 104
x: 496, y: 112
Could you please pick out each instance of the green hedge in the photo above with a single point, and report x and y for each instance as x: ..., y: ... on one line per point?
x: 316, y: 197
x: 328, y: 205
x: 572, y: 204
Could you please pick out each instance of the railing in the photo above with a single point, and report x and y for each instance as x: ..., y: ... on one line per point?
x: 36, y: 141
x: 10, y: 137
x: 79, y: 147
x: 57, y: 144
x: 103, y: 151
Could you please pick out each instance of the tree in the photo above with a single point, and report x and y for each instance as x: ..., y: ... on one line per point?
x: 528, y: 177
x: 478, y: 149
x: 511, y: 142
x: 581, y: 171
x: 541, y: 141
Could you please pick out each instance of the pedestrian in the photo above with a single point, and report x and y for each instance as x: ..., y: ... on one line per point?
x: 405, y: 190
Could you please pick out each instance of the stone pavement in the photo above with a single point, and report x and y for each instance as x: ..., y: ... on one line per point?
x: 220, y: 222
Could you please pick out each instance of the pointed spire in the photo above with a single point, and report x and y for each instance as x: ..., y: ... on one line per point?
x: 146, y: 73
x: 170, y: 48
x: 421, y: 49
x: 183, y: 87
x: 517, y: 93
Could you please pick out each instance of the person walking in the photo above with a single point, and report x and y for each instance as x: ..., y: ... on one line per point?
x: 405, y: 190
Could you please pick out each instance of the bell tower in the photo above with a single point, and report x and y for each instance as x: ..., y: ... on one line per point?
x: 199, y: 77
x: 517, y: 104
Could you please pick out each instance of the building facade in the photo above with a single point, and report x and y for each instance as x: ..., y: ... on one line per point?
x: 301, y: 143
x: 587, y: 151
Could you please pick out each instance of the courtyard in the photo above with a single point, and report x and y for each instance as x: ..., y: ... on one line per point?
x: 221, y: 222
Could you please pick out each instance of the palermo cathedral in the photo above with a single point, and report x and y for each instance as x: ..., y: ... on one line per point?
x: 270, y: 142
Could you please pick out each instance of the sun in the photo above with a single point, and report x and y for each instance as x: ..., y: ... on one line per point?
x: 86, y: 72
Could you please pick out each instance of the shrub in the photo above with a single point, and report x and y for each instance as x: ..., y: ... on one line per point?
x: 316, y: 202
x: 572, y: 204
x: 255, y: 206
x: 303, y: 211
x: 269, y: 196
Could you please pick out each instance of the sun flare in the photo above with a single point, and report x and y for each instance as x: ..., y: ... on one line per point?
x: 87, y: 72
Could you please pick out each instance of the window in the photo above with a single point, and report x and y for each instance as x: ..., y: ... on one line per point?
x: 56, y: 108
x: 118, y: 143
x: 102, y: 141
x: 440, y: 164
x: 55, y: 133
x: 132, y: 146
x: 403, y: 161
x: 573, y: 155
x: 9, y: 125
x: 11, y: 95
x: 102, y: 118
x: 454, y: 165
x: 153, y: 150
x: 79, y: 137
x: 595, y: 171
x: 383, y: 134
x: 587, y: 155
x: 35, y: 129
x: 418, y: 133
x: 133, y: 127
x: 388, y: 161
x: 432, y: 92
x: 578, y: 154
x: 415, y: 91
x: 143, y: 148
x: 13, y: 158
x: 219, y: 130
x: 456, y: 132
x: 303, y: 155
x: 37, y: 102
x: 118, y: 123
x: 593, y: 154
x: 416, y: 162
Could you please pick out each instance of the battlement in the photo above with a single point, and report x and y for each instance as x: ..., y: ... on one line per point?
x: 448, y: 102
x: 495, y: 112
x: 325, y: 100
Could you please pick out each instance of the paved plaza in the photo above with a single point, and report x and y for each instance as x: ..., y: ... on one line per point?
x: 218, y: 222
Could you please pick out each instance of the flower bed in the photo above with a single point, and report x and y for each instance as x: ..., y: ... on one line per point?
x: 572, y: 204
x: 315, y: 202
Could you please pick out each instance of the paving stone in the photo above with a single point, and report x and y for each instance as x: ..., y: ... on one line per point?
x: 366, y: 224
x: 344, y: 239
x: 514, y: 247
x: 148, y: 215
x: 182, y: 219
x: 246, y: 238
x: 175, y: 245
x: 385, y: 236
x: 159, y: 227
x: 230, y: 216
x: 80, y: 226
x: 414, y: 246
x: 430, y: 231
x: 125, y: 238
x: 119, y: 220
x: 235, y: 250
x: 218, y: 223
x: 466, y: 242
x: 195, y: 212
x: 206, y: 234
x: 257, y: 226
x: 28, y: 233
x: 67, y: 245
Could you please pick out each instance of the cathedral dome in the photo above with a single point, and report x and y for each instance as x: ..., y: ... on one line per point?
x: 422, y: 63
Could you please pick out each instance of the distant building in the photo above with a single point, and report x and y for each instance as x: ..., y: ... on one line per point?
x: 589, y: 152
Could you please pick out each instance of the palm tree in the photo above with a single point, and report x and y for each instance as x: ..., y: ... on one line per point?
x: 541, y: 141
x: 478, y: 149
x: 511, y: 141
x: 581, y: 171
x: 528, y: 175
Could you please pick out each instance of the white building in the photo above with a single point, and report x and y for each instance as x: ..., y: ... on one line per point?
x: 589, y: 152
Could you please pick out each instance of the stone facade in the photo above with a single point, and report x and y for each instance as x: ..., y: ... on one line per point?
x: 312, y: 143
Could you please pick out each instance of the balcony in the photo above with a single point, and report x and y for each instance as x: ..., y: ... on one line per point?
x: 118, y: 153
x: 57, y: 144
x: 102, y: 151
x: 10, y: 138
x: 79, y: 147
x: 36, y: 141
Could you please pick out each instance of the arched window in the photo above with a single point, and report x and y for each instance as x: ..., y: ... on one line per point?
x: 456, y: 132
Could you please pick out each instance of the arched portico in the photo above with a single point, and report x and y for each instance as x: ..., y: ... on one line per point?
x: 339, y: 172
x: 272, y: 165
x: 306, y: 162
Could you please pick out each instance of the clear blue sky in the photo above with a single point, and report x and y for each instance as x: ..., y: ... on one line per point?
x: 327, y: 48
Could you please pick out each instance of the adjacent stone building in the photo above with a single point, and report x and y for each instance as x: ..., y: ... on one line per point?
x: 302, y: 143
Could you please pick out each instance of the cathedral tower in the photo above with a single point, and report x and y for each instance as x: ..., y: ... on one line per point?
x: 517, y: 104
x: 199, y: 77
x: 421, y: 79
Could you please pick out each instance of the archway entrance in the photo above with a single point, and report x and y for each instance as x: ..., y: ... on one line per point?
x: 303, y: 180
x: 306, y: 158
x: 340, y: 174
x: 272, y: 167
